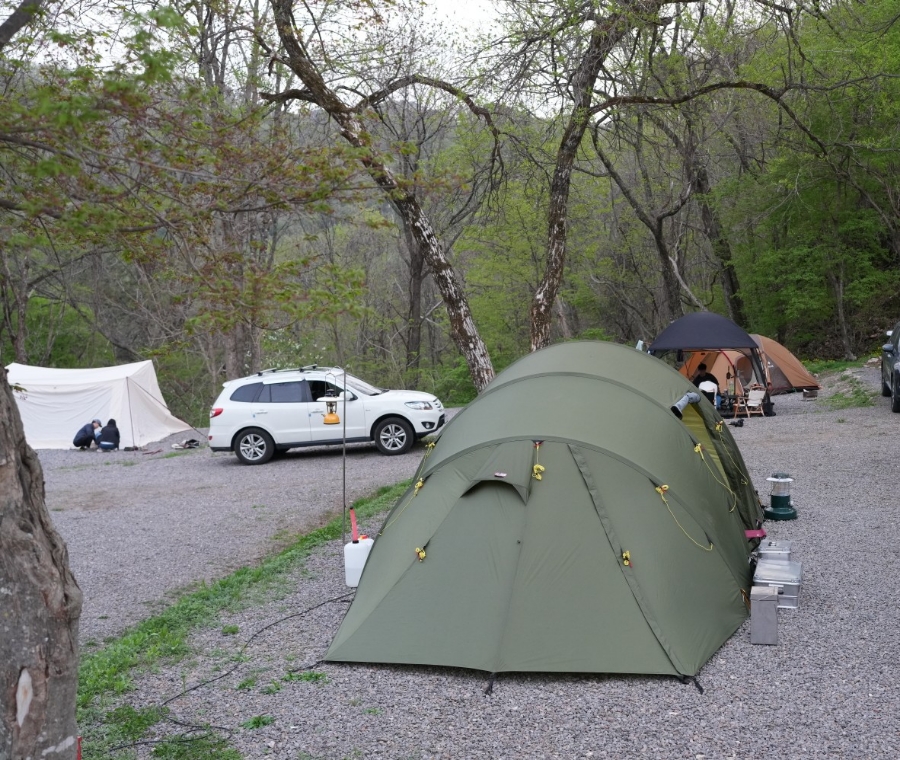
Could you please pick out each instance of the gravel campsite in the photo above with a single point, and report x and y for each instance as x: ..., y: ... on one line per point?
x: 142, y: 526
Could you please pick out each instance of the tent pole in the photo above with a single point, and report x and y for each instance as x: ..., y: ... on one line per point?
x: 130, y: 415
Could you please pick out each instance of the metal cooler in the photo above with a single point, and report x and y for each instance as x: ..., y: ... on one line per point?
x: 785, y: 576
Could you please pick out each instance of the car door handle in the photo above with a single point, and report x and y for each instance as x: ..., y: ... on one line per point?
x: 261, y: 411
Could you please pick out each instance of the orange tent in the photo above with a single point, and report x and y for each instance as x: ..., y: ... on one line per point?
x: 785, y: 371
x: 733, y: 370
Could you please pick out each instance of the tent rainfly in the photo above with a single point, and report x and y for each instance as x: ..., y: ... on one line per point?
x: 566, y: 521
x: 733, y: 370
x: 55, y: 403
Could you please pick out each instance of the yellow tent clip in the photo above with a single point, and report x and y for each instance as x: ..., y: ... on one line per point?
x: 719, y: 425
x: 626, y: 559
x: 420, y: 553
x: 419, y: 484
x: 536, y: 472
x: 699, y: 449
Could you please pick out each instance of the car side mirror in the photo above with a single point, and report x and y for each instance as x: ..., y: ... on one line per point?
x: 351, y: 397
x: 888, y: 348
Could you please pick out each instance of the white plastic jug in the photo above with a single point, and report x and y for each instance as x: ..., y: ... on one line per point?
x: 355, y: 556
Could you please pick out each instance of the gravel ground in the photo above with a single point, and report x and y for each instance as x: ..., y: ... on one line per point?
x: 143, y: 525
x: 828, y: 690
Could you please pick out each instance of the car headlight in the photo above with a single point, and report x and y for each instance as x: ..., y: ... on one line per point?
x: 421, y: 406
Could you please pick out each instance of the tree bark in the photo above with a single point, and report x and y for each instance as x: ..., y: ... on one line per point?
x: 605, y: 35
x: 414, y: 308
x: 40, y: 604
x: 462, y: 325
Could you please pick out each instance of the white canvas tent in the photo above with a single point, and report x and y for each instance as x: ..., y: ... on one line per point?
x: 55, y: 403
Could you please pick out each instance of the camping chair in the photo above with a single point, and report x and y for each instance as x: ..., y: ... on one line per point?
x: 751, y: 403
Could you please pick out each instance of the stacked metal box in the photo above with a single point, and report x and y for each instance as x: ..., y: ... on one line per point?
x: 776, y: 570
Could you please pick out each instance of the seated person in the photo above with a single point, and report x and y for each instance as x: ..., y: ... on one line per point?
x: 86, y: 435
x: 704, y: 376
x: 109, y: 437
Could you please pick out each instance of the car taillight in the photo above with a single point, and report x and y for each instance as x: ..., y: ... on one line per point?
x: 215, y: 411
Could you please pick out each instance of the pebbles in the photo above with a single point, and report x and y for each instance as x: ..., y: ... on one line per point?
x: 828, y: 690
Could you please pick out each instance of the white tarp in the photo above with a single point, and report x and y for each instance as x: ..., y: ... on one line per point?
x: 55, y: 403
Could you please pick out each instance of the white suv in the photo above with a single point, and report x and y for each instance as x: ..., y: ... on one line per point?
x: 276, y: 410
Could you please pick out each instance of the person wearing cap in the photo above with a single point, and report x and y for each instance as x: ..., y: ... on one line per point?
x: 87, y: 435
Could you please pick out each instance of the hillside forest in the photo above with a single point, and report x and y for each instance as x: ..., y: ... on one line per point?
x: 224, y: 186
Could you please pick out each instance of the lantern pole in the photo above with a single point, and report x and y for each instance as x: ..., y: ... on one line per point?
x: 344, y: 463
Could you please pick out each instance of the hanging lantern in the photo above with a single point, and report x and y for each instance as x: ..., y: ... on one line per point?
x: 780, y: 507
x: 331, y: 415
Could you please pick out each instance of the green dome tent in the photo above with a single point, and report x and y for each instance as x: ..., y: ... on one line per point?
x: 566, y: 521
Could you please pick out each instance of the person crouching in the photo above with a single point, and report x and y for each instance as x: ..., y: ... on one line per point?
x: 109, y: 437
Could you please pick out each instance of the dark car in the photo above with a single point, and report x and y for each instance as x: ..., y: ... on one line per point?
x: 890, y: 368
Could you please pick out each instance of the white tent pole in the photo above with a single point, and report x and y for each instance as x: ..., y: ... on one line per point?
x: 130, y: 415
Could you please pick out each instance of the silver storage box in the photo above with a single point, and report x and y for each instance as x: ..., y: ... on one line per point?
x: 785, y: 576
x: 777, y: 550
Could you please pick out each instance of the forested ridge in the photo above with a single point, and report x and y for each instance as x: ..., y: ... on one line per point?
x: 228, y: 186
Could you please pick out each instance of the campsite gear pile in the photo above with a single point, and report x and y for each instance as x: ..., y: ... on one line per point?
x: 53, y: 403
x: 190, y: 443
x: 597, y: 532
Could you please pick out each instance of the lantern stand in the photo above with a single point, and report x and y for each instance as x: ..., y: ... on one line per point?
x: 780, y: 507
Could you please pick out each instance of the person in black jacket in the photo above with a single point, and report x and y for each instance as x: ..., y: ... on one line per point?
x: 109, y: 437
x: 86, y: 435
x: 703, y: 375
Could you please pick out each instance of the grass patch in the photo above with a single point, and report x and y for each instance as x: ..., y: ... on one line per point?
x: 206, y: 747
x: 311, y: 676
x: 258, y: 721
x: 229, y: 630
x: 107, y: 673
x: 817, y: 366
x: 855, y: 395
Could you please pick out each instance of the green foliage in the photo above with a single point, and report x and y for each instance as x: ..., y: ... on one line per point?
x: 454, y: 385
x: 856, y: 395
x: 229, y: 630
x: 194, y: 747
x: 310, y: 676
x: 258, y: 721
x: 58, y: 335
x: 107, y: 672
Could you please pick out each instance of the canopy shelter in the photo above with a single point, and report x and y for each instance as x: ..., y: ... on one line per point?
x: 784, y: 372
x: 55, y: 403
x: 566, y: 521
x: 704, y: 331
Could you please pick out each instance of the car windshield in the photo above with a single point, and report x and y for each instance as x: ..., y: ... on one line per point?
x: 362, y: 387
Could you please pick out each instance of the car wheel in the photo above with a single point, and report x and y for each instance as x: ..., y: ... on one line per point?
x: 254, y: 446
x: 394, y: 436
x: 895, y: 395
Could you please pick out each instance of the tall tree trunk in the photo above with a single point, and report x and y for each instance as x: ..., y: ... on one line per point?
x: 414, y: 307
x: 836, y: 278
x: 605, y: 35
x: 40, y: 604
x: 715, y: 233
x: 462, y: 325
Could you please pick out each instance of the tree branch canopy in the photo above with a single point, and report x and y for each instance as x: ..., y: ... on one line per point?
x: 18, y: 20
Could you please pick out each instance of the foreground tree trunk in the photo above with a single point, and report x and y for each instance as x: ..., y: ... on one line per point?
x: 40, y: 604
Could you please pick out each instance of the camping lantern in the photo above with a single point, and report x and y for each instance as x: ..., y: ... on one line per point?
x: 780, y: 507
x: 331, y: 415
